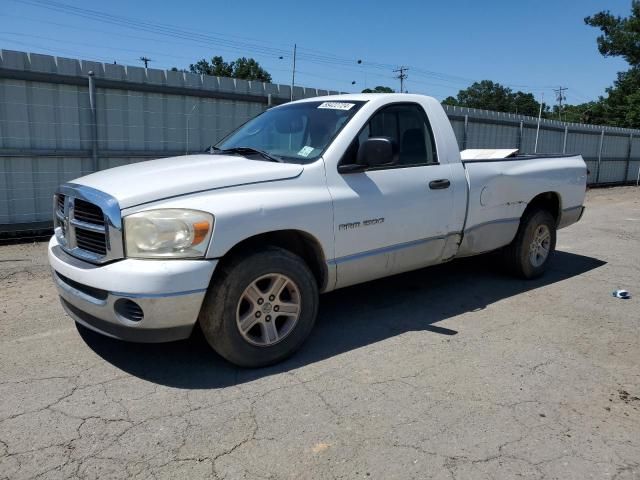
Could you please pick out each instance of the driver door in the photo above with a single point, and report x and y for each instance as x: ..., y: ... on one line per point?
x: 391, y: 219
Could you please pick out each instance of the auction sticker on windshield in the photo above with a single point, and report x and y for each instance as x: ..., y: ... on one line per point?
x: 337, y: 105
x: 305, y: 151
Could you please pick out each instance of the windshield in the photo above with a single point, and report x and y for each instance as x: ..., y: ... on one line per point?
x: 296, y: 132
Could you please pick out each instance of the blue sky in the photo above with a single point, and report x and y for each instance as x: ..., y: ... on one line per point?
x: 528, y: 45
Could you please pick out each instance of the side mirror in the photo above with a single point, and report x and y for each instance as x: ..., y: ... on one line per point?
x: 377, y: 151
x: 373, y: 152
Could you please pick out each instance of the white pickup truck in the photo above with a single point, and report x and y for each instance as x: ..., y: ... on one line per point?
x: 305, y: 198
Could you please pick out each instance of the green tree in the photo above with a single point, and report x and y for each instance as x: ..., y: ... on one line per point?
x: 244, y: 68
x: 621, y: 106
x: 379, y: 89
x: 249, y: 69
x: 582, y: 113
x: 488, y: 95
x: 620, y: 38
x: 525, y: 104
x: 217, y: 67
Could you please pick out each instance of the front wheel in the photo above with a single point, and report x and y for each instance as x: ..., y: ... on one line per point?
x: 530, y: 251
x: 260, y: 308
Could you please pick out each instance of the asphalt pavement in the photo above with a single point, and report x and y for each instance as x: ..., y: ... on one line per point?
x: 452, y: 372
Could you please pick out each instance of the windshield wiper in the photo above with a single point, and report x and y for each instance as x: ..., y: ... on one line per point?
x: 245, y: 150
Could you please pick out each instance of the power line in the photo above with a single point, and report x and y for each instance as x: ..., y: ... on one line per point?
x: 38, y: 47
x: 313, y: 56
x: 175, y: 32
x: 170, y: 40
x: 96, y: 46
x: 270, y: 66
x: 145, y: 60
x: 99, y: 46
x: 217, y: 39
x: 243, y: 44
x: 147, y: 26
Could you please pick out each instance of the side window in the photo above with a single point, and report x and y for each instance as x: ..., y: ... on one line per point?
x: 405, y: 124
x: 384, y: 124
x: 415, y: 139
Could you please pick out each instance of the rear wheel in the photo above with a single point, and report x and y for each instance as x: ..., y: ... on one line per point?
x: 260, y: 308
x: 528, y: 254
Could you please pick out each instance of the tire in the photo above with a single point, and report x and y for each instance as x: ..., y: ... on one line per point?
x: 523, y: 257
x: 240, y: 296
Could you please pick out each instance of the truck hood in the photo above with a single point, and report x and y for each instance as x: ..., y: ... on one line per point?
x: 169, y: 177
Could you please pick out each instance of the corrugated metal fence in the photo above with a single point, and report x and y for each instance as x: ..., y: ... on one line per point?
x: 612, y: 154
x: 62, y: 118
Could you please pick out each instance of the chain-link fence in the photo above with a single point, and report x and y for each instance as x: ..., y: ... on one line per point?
x: 63, y: 118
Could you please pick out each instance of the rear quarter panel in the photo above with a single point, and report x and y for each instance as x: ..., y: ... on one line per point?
x: 499, y: 192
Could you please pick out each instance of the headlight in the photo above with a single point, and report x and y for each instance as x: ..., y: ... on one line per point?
x: 169, y: 233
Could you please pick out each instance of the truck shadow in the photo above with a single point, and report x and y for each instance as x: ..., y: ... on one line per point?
x: 349, y: 318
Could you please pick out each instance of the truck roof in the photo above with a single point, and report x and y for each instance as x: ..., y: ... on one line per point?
x: 386, y: 97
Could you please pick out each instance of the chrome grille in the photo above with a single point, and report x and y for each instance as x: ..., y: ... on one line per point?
x: 88, y: 212
x: 59, y: 214
x: 87, y: 223
x: 60, y: 204
x: 91, y: 241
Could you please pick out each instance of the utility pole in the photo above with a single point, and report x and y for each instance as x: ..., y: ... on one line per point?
x: 560, y: 97
x: 145, y: 60
x: 402, y: 76
x: 293, y: 74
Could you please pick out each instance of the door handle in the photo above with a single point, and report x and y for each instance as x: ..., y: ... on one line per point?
x: 439, y: 184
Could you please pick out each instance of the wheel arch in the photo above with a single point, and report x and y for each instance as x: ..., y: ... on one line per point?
x: 549, y: 201
x: 298, y: 242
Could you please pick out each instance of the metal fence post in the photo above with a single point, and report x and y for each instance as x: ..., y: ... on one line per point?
x: 186, y: 142
x: 520, y: 135
x: 628, y: 166
x: 564, y: 142
x: 466, y: 128
x: 94, y: 121
x: 600, y: 156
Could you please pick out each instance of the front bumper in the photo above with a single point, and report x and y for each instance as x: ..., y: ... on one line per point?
x: 165, y: 296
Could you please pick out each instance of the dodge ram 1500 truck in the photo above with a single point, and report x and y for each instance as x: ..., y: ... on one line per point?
x: 305, y: 198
